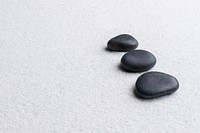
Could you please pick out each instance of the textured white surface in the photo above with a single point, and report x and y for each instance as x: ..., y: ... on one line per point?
x: 56, y: 77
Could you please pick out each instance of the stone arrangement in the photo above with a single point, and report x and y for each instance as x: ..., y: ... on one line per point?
x: 148, y: 85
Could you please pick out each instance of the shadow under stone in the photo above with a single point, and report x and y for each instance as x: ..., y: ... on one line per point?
x: 109, y: 50
x: 138, y: 96
x: 120, y: 67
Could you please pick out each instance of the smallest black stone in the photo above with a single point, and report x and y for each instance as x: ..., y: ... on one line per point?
x: 122, y: 43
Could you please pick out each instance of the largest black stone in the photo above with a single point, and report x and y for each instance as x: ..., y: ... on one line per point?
x: 122, y: 43
x: 138, y: 61
x: 156, y: 84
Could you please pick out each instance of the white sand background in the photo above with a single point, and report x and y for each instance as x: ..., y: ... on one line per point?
x: 57, y: 77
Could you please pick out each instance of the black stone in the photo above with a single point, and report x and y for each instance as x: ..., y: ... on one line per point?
x: 138, y: 61
x: 122, y: 43
x: 155, y: 84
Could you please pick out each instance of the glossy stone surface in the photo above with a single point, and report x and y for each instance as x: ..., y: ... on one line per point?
x: 156, y: 84
x: 122, y: 43
x: 138, y: 61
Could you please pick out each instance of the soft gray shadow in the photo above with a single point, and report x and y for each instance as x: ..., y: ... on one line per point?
x: 127, y: 71
x: 108, y: 50
x: 139, y: 97
x: 122, y: 69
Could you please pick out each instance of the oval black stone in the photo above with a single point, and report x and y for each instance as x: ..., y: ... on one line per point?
x: 155, y: 84
x: 122, y: 43
x: 138, y: 61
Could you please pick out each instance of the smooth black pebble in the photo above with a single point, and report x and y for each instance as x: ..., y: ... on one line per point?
x: 138, y: 61
x: 155, y: 84
x: 122, y: 43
